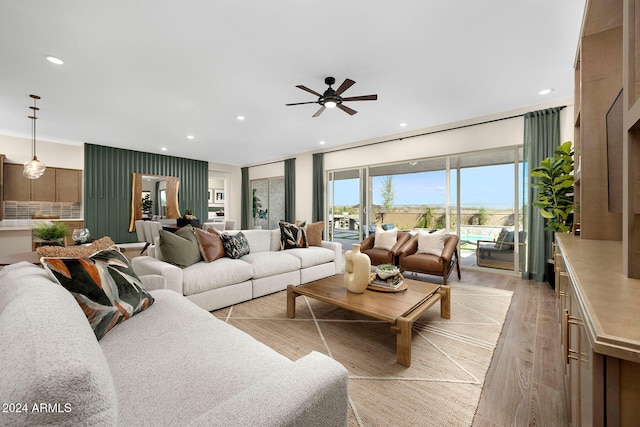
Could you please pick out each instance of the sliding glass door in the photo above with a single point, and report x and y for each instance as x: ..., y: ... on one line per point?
x: 347, y: 197
x: 475, y: 195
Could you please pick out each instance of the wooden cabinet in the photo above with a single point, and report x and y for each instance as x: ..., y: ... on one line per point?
x: 600, y: 341
x: 55, y: 185
x: 68, y: 185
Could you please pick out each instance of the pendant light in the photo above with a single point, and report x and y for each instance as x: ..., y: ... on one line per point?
x: 34, y: 168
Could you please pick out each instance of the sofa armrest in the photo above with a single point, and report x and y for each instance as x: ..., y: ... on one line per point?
x: 338, y: 257
x: 312, y: 391
x: 152, y: 282
x: 145, y: 265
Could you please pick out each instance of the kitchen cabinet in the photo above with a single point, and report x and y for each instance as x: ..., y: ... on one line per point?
x: 55, y: 185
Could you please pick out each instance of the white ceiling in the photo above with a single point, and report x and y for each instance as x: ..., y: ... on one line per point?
x: 144, y: 74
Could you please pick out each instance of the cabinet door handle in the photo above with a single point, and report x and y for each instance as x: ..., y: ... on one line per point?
x: 565, y: 336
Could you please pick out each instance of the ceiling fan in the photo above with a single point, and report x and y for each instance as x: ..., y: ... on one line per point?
x: 331, y: 98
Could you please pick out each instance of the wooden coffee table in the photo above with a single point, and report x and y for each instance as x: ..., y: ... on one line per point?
x: 399, y: 309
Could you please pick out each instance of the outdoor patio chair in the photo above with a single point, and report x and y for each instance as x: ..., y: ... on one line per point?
x: 500, y: 254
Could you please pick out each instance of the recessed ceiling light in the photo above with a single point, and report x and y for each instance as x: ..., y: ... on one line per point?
x: 322, y: 142
x: 545, y: 91
x: 241, y: 118
x: 55, y: 60
x: 403, y: 124
x: 190, y: 136
x: 164, y: 148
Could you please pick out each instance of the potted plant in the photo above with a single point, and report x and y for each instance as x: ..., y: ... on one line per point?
x: 554, y: 181
x: 51, y: 233
x: 188, y: 218
x: 555, y: 189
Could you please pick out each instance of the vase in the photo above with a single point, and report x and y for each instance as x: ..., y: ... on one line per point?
x: 357, y: 270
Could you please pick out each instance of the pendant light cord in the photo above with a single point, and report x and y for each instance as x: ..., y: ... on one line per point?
x: 34, y: 118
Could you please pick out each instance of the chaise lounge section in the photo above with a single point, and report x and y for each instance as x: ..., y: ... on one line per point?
x: 171, y: 364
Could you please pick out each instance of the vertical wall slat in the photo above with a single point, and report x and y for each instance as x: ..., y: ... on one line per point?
x: 107, y: 183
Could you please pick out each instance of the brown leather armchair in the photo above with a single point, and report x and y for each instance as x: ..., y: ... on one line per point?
x: 383, y: 256
x: 442, y: 266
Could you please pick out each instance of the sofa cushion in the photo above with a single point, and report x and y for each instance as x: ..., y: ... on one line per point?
x: 385, y: 239
x: 193, y: 360
x: 430, y: 243
x: 235, y: 246
x: 225, y: 271
x: 267, y: 264
x: 105, y: 286
x: 313, y: 255
x: 293, y: 236
x: 210, y: 243
x: 49, y: 354
x: 180, y: 248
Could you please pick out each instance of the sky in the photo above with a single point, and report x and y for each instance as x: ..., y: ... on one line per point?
x: 491, y: 187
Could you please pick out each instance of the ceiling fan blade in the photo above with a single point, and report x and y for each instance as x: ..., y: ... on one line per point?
x: 346, y: 84
x: 319, y: 111
x: 301, y: 103
x: 309, y: 90
x: 362, y: 98
x: 346, y: 109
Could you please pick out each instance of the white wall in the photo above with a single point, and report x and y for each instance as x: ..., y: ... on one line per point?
x: 18, y: 150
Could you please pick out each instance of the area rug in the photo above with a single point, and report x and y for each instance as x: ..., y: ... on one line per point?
x: 450, y: 357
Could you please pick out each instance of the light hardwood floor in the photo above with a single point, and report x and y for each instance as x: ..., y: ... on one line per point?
x: 524, y: 384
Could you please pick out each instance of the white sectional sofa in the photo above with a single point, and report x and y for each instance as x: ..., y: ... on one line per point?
x: 172, y: 364
x: 266, y: 269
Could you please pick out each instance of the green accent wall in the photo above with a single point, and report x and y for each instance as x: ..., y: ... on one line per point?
x: 107, y: 187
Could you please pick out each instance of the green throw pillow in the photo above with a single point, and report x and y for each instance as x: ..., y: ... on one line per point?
x: 180, y: 248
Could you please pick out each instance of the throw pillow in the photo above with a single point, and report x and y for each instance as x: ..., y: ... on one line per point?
x: 504, y: 245
x: 385, y: 239
x: 180, y: 248
x: 293, y: 236
x: 76, y: 251
x: 210, y: 242
x: 314, y: 233
x: 235, y: 246
x: 430, y: 243
x: 105, y: 286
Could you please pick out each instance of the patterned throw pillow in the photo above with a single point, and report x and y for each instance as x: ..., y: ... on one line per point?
x: 211, y: 245
x: 235, y: 246
x: 293, y: 236
x: 501, y: 237
x: 105, y: 286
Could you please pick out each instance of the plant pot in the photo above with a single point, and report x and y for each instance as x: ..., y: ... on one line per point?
x: 181, y: 222
x: 550, y: 273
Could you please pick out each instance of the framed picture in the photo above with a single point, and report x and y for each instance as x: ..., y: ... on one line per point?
x: 210, y: 196
x: 218, y: 196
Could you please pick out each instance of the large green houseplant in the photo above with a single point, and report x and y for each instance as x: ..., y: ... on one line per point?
x: 554, y: 181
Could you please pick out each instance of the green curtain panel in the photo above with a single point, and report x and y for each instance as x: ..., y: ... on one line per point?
x: 107, y: 187
x: 318, y: 188
x: 246, y: 203
x: 541, y: 138
x: 290, y: 190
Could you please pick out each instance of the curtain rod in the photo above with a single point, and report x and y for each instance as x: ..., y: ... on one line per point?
x: 410, y: 136
x: 432, y: 132
x: 270, y: 163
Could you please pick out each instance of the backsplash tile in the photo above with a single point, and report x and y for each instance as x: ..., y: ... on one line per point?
x: 25, y: 210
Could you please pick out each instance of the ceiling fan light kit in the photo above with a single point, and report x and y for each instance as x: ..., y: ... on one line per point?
x: 331, y: 98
